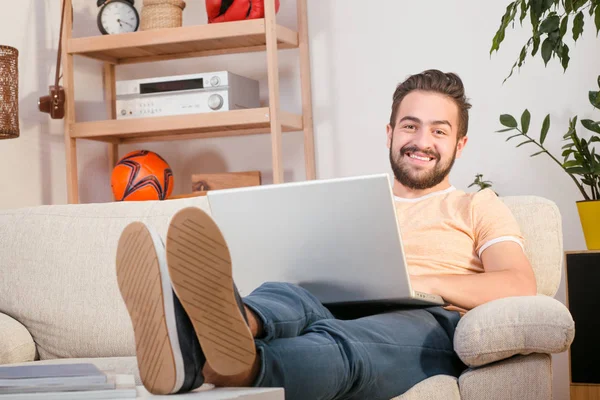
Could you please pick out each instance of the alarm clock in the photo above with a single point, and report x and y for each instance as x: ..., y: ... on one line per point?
x: 117, y: 16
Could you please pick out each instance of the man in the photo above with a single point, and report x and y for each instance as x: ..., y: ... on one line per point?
x: 191, y: 326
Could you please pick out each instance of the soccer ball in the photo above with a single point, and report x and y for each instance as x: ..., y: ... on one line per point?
x: 142, y: 175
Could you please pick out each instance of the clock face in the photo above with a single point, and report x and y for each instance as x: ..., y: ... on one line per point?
x: 118, y: 17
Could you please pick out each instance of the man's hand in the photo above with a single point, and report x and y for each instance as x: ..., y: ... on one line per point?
x: 507, y: 273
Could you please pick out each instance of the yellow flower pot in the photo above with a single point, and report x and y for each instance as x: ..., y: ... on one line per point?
x: 589, y: 214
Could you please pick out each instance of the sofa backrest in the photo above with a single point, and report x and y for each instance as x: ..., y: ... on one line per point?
x: 58, y: 275
x: 541, y: 225
x: 57, y: 268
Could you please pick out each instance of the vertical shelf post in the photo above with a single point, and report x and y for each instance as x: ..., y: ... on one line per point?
x: 110, y: 93
x: 273, y: 78
x: 68, y: 82
x: 305, y: 78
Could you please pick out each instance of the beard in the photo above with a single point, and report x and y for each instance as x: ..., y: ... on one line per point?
x: 420, y: 179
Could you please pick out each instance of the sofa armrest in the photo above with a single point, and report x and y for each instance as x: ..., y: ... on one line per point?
x: 16, y: 343
x: 514, y: 325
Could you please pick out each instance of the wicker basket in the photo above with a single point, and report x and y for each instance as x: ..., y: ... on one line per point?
x: 9, y: 92
x: 158, y: 14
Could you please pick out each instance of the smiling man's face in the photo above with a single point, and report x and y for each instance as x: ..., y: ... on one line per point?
x: 424, y: 141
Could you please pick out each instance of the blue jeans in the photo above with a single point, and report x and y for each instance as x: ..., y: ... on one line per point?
x: 313, y: 355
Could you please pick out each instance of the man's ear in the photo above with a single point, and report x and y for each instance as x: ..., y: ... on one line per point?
x: 390, y: 131
x: 462, y: 142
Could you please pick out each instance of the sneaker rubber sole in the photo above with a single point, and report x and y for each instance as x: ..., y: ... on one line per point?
x: 200, y: 268
x: 143, y: 280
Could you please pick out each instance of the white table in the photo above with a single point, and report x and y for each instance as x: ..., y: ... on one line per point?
x: 208, y: 393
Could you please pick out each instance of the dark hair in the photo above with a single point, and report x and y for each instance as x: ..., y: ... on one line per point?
x: 436, y: 81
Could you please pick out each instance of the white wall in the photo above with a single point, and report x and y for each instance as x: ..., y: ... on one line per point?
x: 359, y: 53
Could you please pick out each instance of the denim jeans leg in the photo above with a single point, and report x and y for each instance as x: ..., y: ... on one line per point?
x: 284, y: 309
x: 375, y: 357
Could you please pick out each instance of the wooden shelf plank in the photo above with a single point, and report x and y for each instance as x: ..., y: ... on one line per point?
x: 188, y: 195
x: 182, y: 42
x: 179, y: 127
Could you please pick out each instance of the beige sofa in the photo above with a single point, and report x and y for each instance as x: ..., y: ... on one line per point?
x: 59, y: 299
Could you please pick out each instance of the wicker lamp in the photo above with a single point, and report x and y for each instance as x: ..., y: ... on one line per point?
x: 9, y: 93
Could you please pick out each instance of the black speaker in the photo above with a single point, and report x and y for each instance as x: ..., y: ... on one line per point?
x: 582, y: 271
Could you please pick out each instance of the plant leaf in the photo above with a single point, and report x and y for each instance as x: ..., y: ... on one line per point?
x: 548, y: 4
x: 594, y: 98
x: 586, y: 181
x: 525, y: 142
x: 577, y: 4
x: 545, y: 128
x: 584, y: 147
x: 567, y: 136
x: 539, y: 152
x: 590, y: 125
x: 578, y: 170
x: 508, y: 121
x: 536, y: 45
x: 505, y: 130
x: 573, y: 122
x: 536, y: 8
x: 568, y: 6
x: 572, y: 163
x: 567, y: 152
x: 564, y: 59
x: 513, y: 136
x: 547, y: 48
x: 523, y: 12
x: 525, y: 120
x: 594, y: 139
x: 522, y: 56
x: 499, y: 36
x: 550, y: 24
x: 563, y: 25
x: 577, y: 26
x: 597, y: 18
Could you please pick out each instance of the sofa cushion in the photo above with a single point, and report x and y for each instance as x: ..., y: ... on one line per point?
x: 514, y: 325
x: 16, y: 343
x: 58, y: 273
x: 541, y: 225
x: 518, y: 378
x: 438, y: 387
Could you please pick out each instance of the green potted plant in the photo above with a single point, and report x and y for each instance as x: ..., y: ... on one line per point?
x: 550, y: 21
x: 481, y: 183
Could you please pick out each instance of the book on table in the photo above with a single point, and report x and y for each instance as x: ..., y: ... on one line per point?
x: 64, y: 381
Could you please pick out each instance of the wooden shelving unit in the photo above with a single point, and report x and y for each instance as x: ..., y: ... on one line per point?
x: 186, y: 42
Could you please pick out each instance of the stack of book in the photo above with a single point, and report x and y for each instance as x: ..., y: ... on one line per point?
x: 64, y: 382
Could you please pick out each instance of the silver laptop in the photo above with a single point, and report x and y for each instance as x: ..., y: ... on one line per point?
x: 338, y: 238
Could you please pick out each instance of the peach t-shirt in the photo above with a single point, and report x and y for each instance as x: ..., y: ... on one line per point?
x: 445, y: 232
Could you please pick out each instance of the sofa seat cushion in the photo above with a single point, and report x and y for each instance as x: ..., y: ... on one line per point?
x: 16, y: 343
x: 517, y: 378
x: 438, y: 387
x: 515, y: 325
